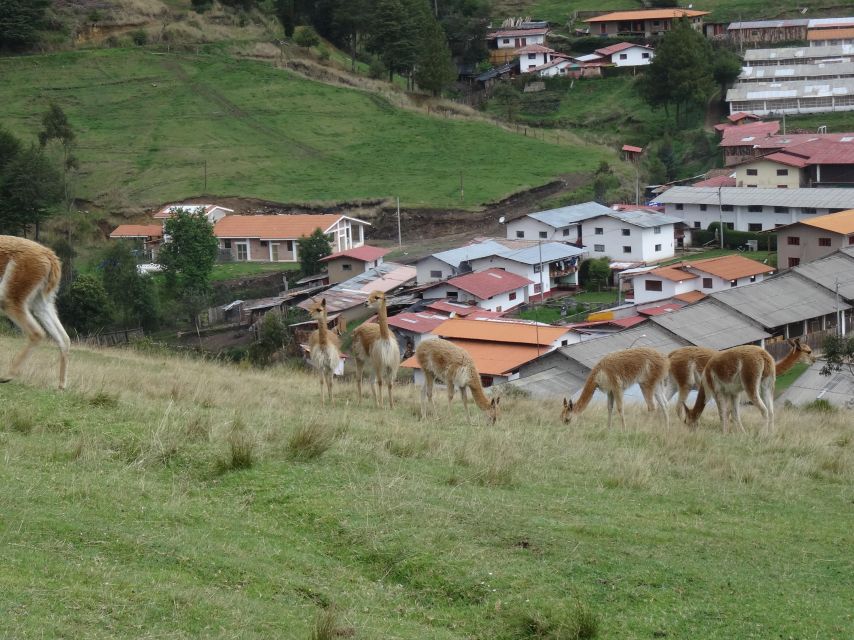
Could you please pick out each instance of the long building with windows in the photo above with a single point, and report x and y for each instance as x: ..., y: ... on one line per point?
x: 804, y: 96
x: 790, y: 56
x: 755, y: 210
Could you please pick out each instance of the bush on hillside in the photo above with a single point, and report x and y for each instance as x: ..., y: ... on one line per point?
x: 139, y: 37
x: 306, y: 37
x: 734, y: 239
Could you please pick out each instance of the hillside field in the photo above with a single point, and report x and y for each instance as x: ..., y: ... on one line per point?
x: 147, y: 123
x: 161, y: 497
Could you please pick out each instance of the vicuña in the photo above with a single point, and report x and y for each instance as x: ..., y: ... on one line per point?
x: 324, y: 347
x: 375, y: 349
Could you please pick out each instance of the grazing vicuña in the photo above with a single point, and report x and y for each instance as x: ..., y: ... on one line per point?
x: 324, y: 347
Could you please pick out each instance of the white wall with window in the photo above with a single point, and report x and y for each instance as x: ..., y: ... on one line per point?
x: 500, y: 302
x: 740, y: 217
x: 527, y: 228
x: 623, y: 241
x: 634, y: 57
x: 431, y: 269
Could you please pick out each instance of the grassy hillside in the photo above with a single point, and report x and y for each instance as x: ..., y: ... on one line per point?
x: 559, y: 12
x: 126, y: 513
x: 147, y: 123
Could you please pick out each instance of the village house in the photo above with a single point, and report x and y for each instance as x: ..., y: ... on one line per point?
x: 834, y: 272
x: 830, y: 31
x: 752, y: 209
x: 536, y: 56
x: 804, y: 72
x: 274, y: 238
x: 446, y: 264
x: 815, y: 163
x: 503, y: 44
x: 803, y: 96
x: 766, y: 31
x: 633, y: 236
x: 147, y: 238
x: 644, y: 23
x: 704, y: 276
x: 498, y: 347
x: 213, y: 212
x: 742, y: 141
x: 491, y: 289
x: 622, y: 54
x: 814, y: 238
x: 343, y: 265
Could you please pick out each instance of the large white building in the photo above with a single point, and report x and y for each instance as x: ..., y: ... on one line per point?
x: 493, y: 290
x: 755, y: 210
x: 629, y: 236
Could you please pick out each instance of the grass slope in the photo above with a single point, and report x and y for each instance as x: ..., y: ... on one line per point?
x: 126, y: 512
x: 147, y: 123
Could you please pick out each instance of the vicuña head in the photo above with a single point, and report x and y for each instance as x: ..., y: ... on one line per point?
x: 493, y: 411
x: 318, y: 309
x: 803, y: 351
x: 375, y: 300
x: 566, y: 412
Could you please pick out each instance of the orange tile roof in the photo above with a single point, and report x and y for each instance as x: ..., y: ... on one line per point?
x: 137, y: 231
x: 830, y: 34
x: 365, y: 253
x: 672, y: 272
x: 690, y: 296
x: 492, y: 359
x: 649, y: 14
x: 281, y: 227
x: 730, y: 267
x: 839, y: 222
x: 499, y: 331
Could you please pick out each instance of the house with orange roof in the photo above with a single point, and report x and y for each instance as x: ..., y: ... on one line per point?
x: 696, y: 276
x: 213, y: 212
x: 150, y: 236
x: 492, y: 289
x: 810, y: 239
x: 274, y: 238
x: 644, y: 22
x: 343, y: 265
x: 499, y: 347
x: 814, y: 163
x: 504, y: 43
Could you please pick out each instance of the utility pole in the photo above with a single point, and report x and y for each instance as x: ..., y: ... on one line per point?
x: 721, y: 217
x: 399, y: 234
x: 461, y: 185
x: 205, y: 190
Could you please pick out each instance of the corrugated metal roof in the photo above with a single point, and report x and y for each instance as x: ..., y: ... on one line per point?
x: 489, y: 282
x: 839, y: 222
x: 647, y: 334
x: 646, y: 219
x: 620, y: 46
x: 551, y: 383
x: 779, y: 300
x: 420, y: 322
x: 500, y: 331
x: 547, y: 252
x: 512, y: 33
x: 830, y: 34
x: 470, y: 252
x: 565, y: 216
x: 795, y: 89
x: 787, y: 72
x: 796, y: 53
x: 648, y: 14
x: 828, y: 271
x: 365, y: 253
x: 767, y: 24
x: 710, y: 324
x: 836, y: 198
x: 819, y: 23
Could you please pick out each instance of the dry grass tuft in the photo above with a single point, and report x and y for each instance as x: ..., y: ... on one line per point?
x: 327, y: 627
x: 564, y: 621
x: 242, y: 446
x: 310, y: 440
x: 19, y: 420
x: 105, y: 400
x: 489, y: 460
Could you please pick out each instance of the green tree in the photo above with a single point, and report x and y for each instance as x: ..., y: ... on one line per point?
x: 508, y: 98
x: 838, y: 354
x: 435, y: 69
x: 306, y: 37
x: 57, y: 131
x: 20, y: 21
x: 603, y: 181
x: 31, y: 188
x: 10, y: 147
x: 725, y: 69
x: 286, y: 14
x: 350, y: 21
x: 311, y: 250
x: 273, y: 337
x: 134, y: 295
x: 188, y: 258
x: 595, y: 273
x: 392, y: 38
x: 680, y: 75
x: 84, y: 306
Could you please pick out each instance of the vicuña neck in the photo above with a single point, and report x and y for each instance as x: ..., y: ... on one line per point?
x: 586, y: 393
x: 788, y: 362
x: 382, y: 319
x: 322, y: 329
x: 477, y: 391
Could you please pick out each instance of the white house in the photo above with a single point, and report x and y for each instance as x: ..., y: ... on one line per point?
x: 622, y: 54
x: 213, y: 212
x: 632, y: 236
x: 547, y: 266
x: 704, y: 276
x: 534, y: 55
x: 491, y: 289
x: 559, y: 65
x: 446, y: 264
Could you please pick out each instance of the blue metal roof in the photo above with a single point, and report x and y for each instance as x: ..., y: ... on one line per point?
x: 565, y: 216
x: 470, y: 252
x: 551, y: 251
x: 644, y: 218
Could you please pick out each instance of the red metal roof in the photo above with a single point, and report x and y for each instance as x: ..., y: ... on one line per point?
x: 490, y: 358
x: 716, y: 181
x: 283, y: 227
x: 648, y: 14
x: 521, y: 331
x: 626, y: 323
x: 364, y: 253
x: 668, y: 307
x: 742, y: 115
x: 457, y: 308
x: 628, y: 147
x: 420, y: 322
x: 813, y: 152
x: 514, y: 33
x: 534, y: 48
x: 137, y: 231
x: 489, y: 282
x: 748, y: 135
x: 620, y: 46
x: 690, y: 296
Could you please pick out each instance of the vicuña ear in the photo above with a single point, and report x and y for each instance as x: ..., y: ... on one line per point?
x: 565, y: 404
x: 570, y: 404
x: 323, y: 302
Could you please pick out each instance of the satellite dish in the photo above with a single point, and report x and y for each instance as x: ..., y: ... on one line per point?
x: 501, y: 220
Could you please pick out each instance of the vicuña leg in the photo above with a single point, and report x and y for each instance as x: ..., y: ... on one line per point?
x: 427, y: 394
x: 465, y: 397
x: 21, y: 316
x: 45, y: 311
x: 610, y: 407
x: 618, y: 400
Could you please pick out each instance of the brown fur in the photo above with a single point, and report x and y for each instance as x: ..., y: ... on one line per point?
x: 324, y: 347
x: 375, y: 348
x: 443, y: 360
x: 749, y: 369
x: 29, y: 279
x: 615, y: 373
x: 686, y: 372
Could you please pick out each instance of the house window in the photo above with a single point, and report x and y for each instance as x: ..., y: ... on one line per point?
x: 520, y: 234
x: 726, y: 207
x: 532, y: 56
x: 850, y: 239
x: 512, y: 295
x: 733, y: 283
x: 824, y: 242
x: 435, y: 274
x: 226, y: 244
x: 782, y: 186
x: 626, y: 232
x: 656, y: 23
x: 600, y: 248
x: 754, y: 226
x: 242, y: 251
x: 624, y: 56
x: 807, y: 209
x: 781, y: 209
x: 653, y: 285
x: 753, y: 278
x: 752, y: 172
x: 566, y: 231
x: 537, y: 288
x: 627, y: 249
x: 707, y: 283
x: 703, y: 207
x: 498, y: 309
x: 537, y: 268
x: 782, y: 172
x: 346, y: 267
x: 794, y: 262
x: 697, y: 224
x: 506, y: 40
x: 656, y: 229
x: 544, y: 234
x: 679, y: 206
x: 754, y: 208
x: 453, y: 295
x: 793, y: 240
x: 290, y: 245
x: 645, y: 56
x: 658, y: 247
x: 599, y: 231
x: 729, y: 225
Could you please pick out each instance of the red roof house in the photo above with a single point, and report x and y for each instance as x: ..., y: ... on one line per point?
x: 492, y: 289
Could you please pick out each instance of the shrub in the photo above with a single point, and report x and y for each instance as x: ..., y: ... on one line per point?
x: 241, y: 448
x: 820, y: 404
x: 139, y: 37
x: 323, y: 53
x: 376, y: 69
x: 556, y: 622
x: 310, y: 440
x: 306, y: 37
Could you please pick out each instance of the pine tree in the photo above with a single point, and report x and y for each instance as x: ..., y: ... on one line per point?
x: 311, y: 249
x: 20, y: 21
x: 435, y: 69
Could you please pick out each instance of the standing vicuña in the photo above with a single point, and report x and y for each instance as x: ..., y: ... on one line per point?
x: 615, y: 373
x: 323, y: 347
x: 686, y: 372
x: 443, y: 360
x: 750, y: 369
x: 29, y: 279
x: 375, y: 347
